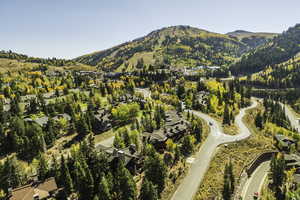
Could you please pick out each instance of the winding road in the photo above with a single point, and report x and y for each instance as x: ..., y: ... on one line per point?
x: 190, y: 184
x: 256, y: 181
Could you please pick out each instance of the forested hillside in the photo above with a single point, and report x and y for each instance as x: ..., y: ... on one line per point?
x: 25, y: 58
x: 283, y: 75
x: 252, y: 39
x: 280, y: 49
x: 12, y: 62
x: 176, y: 46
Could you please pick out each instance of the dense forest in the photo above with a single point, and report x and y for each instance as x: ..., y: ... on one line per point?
x: 282, y: 48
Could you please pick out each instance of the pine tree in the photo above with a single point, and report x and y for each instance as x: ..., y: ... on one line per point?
x: 177, y: 153
x: 54, y: 171
x: 148, y: 191
x: 198, y: 131
x: 277, y: 174
x: 50, y: 136
x: 42, y: 168
x: 226, y: 118
x: 124, y: 185
x: 259, y: 120
x: 156, y: 171
x: 187, y: 145
x: 82, y: 127
x: 65, y: 177
x: 229, y: 181
x: 104, y: 190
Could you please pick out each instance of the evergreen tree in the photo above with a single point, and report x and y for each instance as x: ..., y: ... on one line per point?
x: 226, y: 118
x: 277, y: 174
x: 50, y: 129
x: 124, y: 185
x: 187, y: 145
x: 42, y: 168
x: 65, y: 177
x: 82, y: 126
x: 104, y: 189
x: 148, y: 191
x: 198, y: 131
x: 259, y: 120
x: 229, y: 181
x: 156, y: 171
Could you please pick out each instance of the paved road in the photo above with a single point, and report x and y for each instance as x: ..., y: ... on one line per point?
x: 190, y: 184
x: 293, y: 119
x: 255, y: 183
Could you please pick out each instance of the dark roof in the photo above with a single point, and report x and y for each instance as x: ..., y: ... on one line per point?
x: 42, y: 121
x: 297, y: 178
x: 158, y: 135
x: 283, y: 139
x: 42, y: 189
x: 113, y: 152
x: 291, y: 157
x: 64, y: 115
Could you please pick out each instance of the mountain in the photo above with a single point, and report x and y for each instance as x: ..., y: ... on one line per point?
x: 283, y: 75
x: 11, y: 61
x: 279, y: 49
x: 176, y: 46
x: 252, y: 39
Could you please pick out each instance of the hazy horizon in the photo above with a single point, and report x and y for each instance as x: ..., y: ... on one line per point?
x: 68, y: 29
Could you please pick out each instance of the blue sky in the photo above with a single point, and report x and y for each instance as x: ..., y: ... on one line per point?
x: 70, y: 28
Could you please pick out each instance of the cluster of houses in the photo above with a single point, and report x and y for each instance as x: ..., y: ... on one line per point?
x: 129, y: 155
x: 174, y: 128
x: 285, y: 144
x: 35, y: 190
x: 42, y: 121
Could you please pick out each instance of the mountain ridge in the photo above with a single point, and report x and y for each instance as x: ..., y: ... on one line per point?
x: 280, y: 49
x: 180, y: 45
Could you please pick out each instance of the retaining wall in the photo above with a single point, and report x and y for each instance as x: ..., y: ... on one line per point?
x: 249, y: 169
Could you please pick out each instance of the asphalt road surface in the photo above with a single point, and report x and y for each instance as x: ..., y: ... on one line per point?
x: 293, y: 119
x: 255, y: 182
x: 190, y: 184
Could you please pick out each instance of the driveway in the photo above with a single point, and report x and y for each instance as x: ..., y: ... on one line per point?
x: 190, y: 184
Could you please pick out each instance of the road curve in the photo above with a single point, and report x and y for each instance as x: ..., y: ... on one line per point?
x: 256, y: 181
x: 190, y: 184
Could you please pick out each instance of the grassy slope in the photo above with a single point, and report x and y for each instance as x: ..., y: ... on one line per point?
x: 15, y: 65
x: 245, y: 34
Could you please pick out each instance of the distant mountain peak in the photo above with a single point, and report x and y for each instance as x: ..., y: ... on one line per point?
x: 238, y: 32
